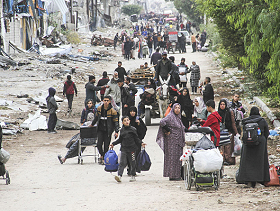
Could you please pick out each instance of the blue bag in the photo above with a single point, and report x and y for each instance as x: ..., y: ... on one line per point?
x: 143, y: 161
x: 111, y: 161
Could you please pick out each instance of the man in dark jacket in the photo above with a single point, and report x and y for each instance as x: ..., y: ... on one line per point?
x: 129, y: 141
x: 175, y: 79
x: 68, y: 90
x: 102, y: 82
x: 116, y: 38
x: 208, y: 92
x: 131, y: 88
x: 164, y: 67
x: 107, y: 121
x: 121, y: 71
x: 155, y: 57
x: 126, y: 98
x: 127, y: 48
x: 52, y: 107
x: 91, y: 90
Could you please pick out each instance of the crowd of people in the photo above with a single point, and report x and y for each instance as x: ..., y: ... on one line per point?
x: 118, y: 102
x: 141, y: 40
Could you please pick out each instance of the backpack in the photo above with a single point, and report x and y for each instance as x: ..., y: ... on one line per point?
x: 251, y: 132
x: 238, y: 115
x: 111, y: 161
x: 143, y: 161
x: 69, y: 89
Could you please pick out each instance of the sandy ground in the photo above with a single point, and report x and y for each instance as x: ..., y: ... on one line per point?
x: 40, y: 182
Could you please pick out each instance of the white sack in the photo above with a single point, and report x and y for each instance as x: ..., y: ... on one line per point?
x: 207, y: 160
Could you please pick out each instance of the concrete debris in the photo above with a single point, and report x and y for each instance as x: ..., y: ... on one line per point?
x: 35, y: 122
x: 66, y: 125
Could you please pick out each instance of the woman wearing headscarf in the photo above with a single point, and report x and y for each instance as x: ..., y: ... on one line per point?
x: 200, y: 110
x: 228, y: 123
x: 254, y: 165
x: 186, y: 106
x: 140, y: 126
x: 171, y: 139
x: 87, y: 110
x: 195, y: 76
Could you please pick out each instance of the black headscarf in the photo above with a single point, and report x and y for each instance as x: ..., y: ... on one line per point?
x: 226, y: 115
x: 254, y: 111
x: 132, y: 118
x: 224, y: 111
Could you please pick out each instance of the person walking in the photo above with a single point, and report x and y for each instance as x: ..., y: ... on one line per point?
x: 183, y: 70
x: 175, y: 78
x: 186, y: 106
x: 164, y: 67
x: 140, y: 126
x: 238, y: 110
x: 254, y: 165
x: 131, y: 88
x: 121, y: 71
x: 171, y: 139
x: 52, y: 107
x: 227, y: 123
x: 127, y: 48
x: 107, y: 121
x: 213, y: 121
x: 91, y: 90
x: 150, y: 46
x: 195, y: 76
x: 102, y: 82
x: 68, y: 91
x: 129, y: 141
x: 207, y: 91
x: 114, y: 90
x: 116, y: 38
x: 126, y: 98
x: 156, y: 56
x: 193, y: 40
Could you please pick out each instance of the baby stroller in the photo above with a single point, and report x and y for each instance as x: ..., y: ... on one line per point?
x: 4, y: 157
x: 202, y: 165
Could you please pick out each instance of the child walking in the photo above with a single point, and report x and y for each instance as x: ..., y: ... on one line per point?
x: 129, y: 141
x: 52, y: 107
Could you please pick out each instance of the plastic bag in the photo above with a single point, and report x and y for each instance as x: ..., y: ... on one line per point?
x: 237, y: 147
x: 4, y: 156
x: 168, y: 110
x: 274, y: 180
x: 207, y: 160
x: 204, y: 143
x: 186, y: 155
x: 143, y: 161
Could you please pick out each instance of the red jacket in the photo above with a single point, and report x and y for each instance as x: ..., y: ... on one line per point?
x: 213, y: 121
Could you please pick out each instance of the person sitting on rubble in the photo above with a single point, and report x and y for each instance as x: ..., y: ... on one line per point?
x: 147, y: 98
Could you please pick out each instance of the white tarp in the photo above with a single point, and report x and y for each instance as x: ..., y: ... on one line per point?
x: 35, y: 122
x: 55, y: 5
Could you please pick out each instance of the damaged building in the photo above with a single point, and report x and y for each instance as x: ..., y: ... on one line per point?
x: 25, y: 22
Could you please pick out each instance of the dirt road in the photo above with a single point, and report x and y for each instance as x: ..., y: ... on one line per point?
x: 40, y: 182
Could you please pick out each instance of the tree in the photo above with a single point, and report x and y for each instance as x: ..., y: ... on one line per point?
x: 189, y: 7
x: 131, y: 9
x: 249, y: 30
